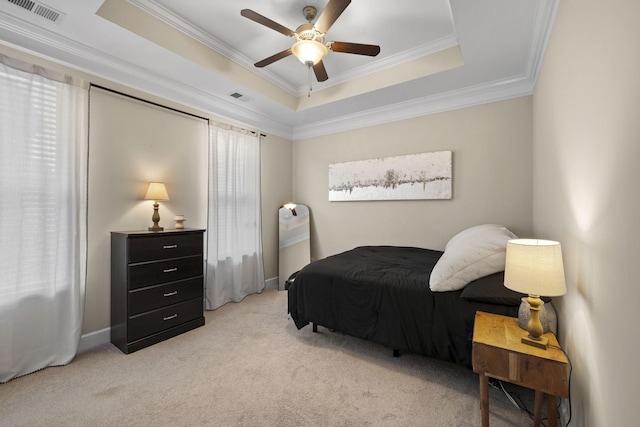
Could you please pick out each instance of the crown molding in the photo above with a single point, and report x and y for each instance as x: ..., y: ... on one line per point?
x: 384, y: 63
x: 543, y: 23
x: 29, y: 38
x: 40, y: 42
x: 504, y: 89
x: 500, y: 90
x: 177, y: 22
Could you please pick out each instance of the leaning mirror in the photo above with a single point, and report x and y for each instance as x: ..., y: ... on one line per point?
x: 295, y: 245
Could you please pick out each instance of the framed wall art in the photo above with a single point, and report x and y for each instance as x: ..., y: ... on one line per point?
x: 412, y: 177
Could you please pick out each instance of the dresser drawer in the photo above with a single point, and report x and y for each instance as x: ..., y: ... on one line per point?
x: 149, y: 323
x: 150, y: 298
x: 151, y: 248
x: 155, y: 273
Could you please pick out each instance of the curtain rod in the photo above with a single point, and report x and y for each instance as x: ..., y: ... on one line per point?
x: 238, y: 128
x: 264, y: 135
x: 117, y: 92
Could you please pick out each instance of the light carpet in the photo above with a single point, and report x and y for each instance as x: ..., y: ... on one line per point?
x: 250, y: 366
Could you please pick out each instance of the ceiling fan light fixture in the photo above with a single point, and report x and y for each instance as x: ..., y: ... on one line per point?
x: 309, y: 51
x: 309, y: 46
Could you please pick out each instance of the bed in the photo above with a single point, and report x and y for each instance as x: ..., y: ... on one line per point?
x: 388, y: 295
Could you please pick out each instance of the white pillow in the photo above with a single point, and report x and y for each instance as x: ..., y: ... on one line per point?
x: 469, y: 255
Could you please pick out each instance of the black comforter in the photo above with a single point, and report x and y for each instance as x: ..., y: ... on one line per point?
x: 381, y: 294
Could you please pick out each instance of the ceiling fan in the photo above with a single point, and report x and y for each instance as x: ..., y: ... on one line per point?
x: 309, y: 47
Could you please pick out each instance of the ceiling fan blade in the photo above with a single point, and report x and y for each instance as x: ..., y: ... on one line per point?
x: 320, y: 72
x: 256, y: 17
x: 330, y: 13
x: 357, y: 48
x: 273, y: 58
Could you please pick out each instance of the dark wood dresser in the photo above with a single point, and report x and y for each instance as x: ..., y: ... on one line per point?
x: 157, y: 286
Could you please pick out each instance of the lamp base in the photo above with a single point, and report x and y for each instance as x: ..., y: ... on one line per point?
x: 546, y: 316
x: 533, y: 325
x: 155, y: 218
x: 540, y: 342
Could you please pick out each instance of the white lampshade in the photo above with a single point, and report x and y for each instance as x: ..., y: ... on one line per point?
x: 309, y: 51
x: 156, y: 191
x: 535, y: 267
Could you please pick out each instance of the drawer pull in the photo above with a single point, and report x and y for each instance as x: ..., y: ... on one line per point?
x: 173, y: 316
x: 170, y: 294
x: 169, y: 246
x: 170, y: 270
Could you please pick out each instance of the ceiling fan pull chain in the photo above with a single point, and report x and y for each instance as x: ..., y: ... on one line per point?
x: 309, y: 65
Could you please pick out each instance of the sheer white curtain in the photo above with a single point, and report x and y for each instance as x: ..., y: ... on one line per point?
x: 234, y: 247
x: 43, y: 162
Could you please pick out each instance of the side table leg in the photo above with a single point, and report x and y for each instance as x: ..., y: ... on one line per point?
x: 552, y: 410
x: 537, y: 412
x: 484, y: 399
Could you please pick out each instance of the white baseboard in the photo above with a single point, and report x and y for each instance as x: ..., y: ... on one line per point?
x: 271, y: 283
x: 94, y: 339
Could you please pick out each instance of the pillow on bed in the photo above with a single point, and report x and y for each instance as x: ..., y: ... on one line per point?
x: 491, y: 289
x: 469, y: 255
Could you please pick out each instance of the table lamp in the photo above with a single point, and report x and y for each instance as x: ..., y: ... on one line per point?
x: 156, y: 192
x: 534, y: 267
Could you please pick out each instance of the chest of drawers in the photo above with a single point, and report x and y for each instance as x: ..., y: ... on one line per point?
x: 157, y: 286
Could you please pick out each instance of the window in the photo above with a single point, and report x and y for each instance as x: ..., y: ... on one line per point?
x: 29, y: 196
x: 43, y: 158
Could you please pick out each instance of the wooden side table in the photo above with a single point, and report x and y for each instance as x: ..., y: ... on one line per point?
x: 498, y: 353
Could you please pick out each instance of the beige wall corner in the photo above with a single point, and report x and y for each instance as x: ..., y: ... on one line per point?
x: 586, y: 151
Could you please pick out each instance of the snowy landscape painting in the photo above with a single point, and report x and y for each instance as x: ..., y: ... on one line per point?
x: 410, y: 177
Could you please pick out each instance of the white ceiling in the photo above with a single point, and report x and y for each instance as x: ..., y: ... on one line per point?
x: 501, y: 43
x: 362, y: 22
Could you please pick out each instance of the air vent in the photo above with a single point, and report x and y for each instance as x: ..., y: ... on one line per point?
x: 40, y: 9
x: 241, y: 97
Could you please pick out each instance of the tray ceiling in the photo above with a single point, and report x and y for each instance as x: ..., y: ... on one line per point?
x: 435, y: 56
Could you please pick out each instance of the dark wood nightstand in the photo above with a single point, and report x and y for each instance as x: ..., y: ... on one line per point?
x: 498, y: 353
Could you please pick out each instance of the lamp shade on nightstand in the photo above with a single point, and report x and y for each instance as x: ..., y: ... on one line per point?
x: 535, y: 267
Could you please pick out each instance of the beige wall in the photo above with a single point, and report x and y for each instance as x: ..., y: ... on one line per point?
x: 586, y: 175
x: 276, y: 191
x: 492, y: 178
x: 132, y: 143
